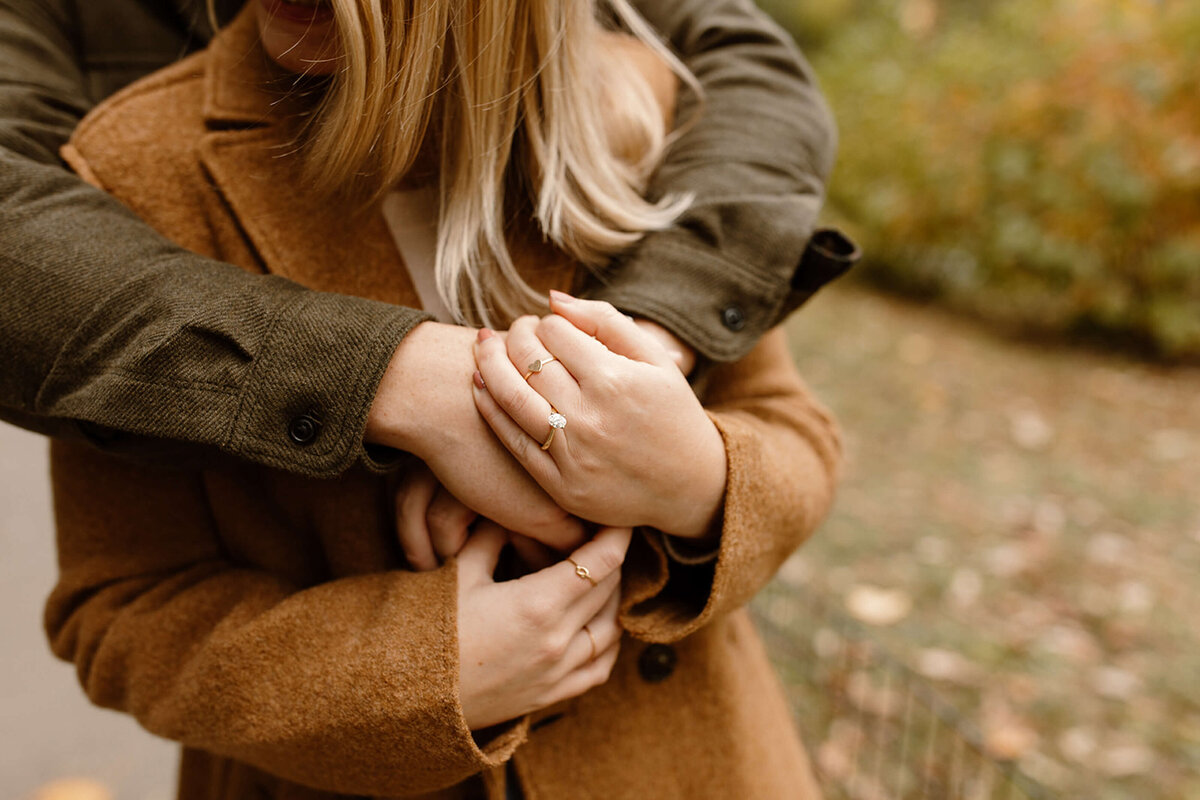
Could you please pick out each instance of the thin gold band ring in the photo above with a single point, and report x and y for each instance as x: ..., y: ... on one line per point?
x: 591, y: 639
x: 536, y: 366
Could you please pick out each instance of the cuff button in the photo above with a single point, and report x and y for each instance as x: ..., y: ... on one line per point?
x: 303, y: 429
x: 734, y: 318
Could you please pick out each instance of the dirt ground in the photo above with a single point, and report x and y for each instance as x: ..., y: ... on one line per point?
x: 1020, y: 523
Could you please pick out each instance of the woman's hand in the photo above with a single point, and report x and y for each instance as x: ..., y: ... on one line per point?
x: 424, y: 406
x: 432, y: 525
x: 637, y: 448
x: 528, y: 643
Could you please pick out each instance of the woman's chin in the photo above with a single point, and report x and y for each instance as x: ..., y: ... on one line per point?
x: 299, y: 37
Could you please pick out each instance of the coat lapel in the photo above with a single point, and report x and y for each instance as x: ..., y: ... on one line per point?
x: 250, y: 155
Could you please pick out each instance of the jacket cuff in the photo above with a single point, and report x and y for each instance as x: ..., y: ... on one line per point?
x: 304, y: 406
x: 718, y: 306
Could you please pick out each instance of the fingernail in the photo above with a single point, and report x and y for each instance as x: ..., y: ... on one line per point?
x: 478, y: 380
x: 485, y: 334
x: 561, y: 297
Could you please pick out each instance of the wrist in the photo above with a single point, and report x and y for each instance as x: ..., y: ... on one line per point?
x: 429, y: 366
x: 698, y: 513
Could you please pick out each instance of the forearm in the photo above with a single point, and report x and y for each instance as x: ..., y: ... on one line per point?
x: 109, y: 324
x: 756, y: 160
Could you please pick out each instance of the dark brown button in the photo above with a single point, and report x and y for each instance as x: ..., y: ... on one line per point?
x: 734, y: 318
x: 657, y: 662
x: 303, y: 429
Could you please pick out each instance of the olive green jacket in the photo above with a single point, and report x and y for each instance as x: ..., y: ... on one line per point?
x: 109, y: 330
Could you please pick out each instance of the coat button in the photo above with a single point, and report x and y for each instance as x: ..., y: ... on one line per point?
x: 304, y: 429
x: 657, y: 662
x: 734, y: 318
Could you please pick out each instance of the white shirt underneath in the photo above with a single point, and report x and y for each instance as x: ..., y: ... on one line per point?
x: 411, y: 216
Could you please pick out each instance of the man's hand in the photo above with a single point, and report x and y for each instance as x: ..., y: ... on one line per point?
x: 425, y: 406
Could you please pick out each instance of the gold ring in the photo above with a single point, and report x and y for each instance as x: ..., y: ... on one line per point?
x: 591, y: 639
x: 556, y: 421
x: 536, y: 366
x: 584, y: 573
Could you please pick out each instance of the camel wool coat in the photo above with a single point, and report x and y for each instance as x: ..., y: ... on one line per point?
x: 266, y: 620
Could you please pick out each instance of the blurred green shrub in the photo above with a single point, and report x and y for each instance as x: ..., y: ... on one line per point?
x: 1036, y: 162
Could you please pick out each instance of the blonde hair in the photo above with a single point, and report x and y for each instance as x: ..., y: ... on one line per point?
x: 527, y: 115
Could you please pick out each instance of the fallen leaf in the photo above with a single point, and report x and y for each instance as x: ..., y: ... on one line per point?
x: 1115, y: 683
x: 882, y: 701
x: 796, y: 571
x: 1108, y: 548
x: 1030, y: 430
x: 945, y: 665
x: 875, y: 606
x: 1006, y: 560
x: 1125, y: 760
x: 827, y: 643
x: 1078, y: 743
x: 73, y: 789
x: 1010, y: 740
x: 1135, y: 597
x: 965, y: 587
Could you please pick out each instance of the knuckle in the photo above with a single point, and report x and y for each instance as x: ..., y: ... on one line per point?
x: 516, y: 400
x: 549, y: 325
x: 536, y: 612
x: 554, y: 649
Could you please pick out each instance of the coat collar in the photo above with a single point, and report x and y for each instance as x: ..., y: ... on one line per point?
x: 249, y: 151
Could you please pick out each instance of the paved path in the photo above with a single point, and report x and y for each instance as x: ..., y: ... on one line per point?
x: 48, y: 730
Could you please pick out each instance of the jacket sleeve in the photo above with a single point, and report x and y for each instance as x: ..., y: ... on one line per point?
x: 87, y: 290
x: 348, y: 686
x: 783, y: 451
x: 756, y: 159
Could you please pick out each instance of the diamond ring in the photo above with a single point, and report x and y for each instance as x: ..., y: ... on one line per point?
x: 557, y: 422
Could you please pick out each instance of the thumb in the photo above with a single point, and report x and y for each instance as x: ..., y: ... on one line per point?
x: 614, y: 330
x: 478, y: 557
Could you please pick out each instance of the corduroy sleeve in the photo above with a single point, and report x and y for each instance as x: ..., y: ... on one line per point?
x: 349, y: 686
x: 756, y: 159
x: 783, y: 452
x: 87, y: 290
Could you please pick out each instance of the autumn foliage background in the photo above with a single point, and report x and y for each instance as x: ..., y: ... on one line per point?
x: 1033, y: 162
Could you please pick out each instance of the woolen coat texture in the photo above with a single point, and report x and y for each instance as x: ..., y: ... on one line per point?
x: 266, y: 621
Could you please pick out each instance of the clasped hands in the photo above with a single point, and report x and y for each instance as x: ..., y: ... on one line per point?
x: 637, y: 449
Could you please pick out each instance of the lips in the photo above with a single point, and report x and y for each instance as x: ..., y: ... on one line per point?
x: 305, y: 12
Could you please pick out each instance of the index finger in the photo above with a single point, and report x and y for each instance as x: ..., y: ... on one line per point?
x: 588, y: 566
